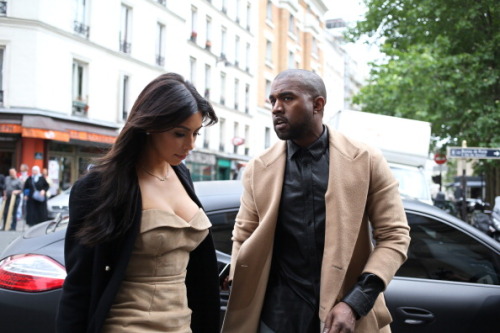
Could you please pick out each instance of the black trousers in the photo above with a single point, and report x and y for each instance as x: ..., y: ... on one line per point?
x: 13, y: 223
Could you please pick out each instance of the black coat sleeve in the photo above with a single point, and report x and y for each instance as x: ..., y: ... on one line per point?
x: 74, y: 305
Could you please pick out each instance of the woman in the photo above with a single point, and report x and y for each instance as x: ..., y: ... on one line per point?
x: 36, y: 211
x: 139, y: 255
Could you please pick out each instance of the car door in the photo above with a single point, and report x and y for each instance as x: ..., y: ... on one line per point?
x: 450, y: 282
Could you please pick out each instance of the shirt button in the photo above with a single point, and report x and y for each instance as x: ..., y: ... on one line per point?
x: 107, y: 268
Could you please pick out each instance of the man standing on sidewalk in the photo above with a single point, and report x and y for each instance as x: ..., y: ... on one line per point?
x: 11, y: 196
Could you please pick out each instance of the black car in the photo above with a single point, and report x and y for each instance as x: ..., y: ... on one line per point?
x: 450, y: 282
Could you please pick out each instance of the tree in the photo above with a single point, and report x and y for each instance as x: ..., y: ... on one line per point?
x: 442, y: 66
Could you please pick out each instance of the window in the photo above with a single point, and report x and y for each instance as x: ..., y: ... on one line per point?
x: 224, y: 6
x: 194, y: 19
x: 236, y: 134
x: 124, y: 92
x: 291, y: 24
x: 247, y: 58
x: 2, y: 51
x: 80, y: 97
x: 223, y: 42
x: 222, y: 228
x: 208, y: 79
x: 269, y: 10
x: 236, y: 93
x: 162, y: 2
x: 247, y: 98
x: 192, y: 70
x: 291, y: 60
x: 222, y: 133
x: 3, y: 8
x: 267, y: 137
x: 238, y: 6
x: 268, y: 91
x: 439, y: 251
x: 269, y: 52
x: 206, y: 136
x: 249, y: 12
x: 208, y: 42
x: 80, y: 25
x: 236, y: 51
x: 125, y: 25
x: 247, y: 136
x: 160, y: 44
x: 222, y: 88
x: 314, y: 46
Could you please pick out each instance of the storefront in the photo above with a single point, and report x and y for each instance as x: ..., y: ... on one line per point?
x: 65, y: 147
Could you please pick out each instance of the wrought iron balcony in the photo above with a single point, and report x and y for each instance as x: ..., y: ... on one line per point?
x: 160, y: 61
x: 81, y: 29
x: 80, y: 108
x: 125, y: 46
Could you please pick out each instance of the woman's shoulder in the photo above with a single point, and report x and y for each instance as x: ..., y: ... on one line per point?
x: 89, y: 181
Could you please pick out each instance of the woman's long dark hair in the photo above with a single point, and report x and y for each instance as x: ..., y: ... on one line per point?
x: 165, y: 102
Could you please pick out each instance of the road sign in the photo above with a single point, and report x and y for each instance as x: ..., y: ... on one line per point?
x: 474, y: 152
x: 440, y: 158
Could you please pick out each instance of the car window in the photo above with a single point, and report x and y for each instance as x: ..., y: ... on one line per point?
x: 441, y: 252
x: 222, y: 228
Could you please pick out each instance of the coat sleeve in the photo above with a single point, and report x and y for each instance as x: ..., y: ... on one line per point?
x: 74, y: 305
x: 388, y: 219
x: 247, y: 218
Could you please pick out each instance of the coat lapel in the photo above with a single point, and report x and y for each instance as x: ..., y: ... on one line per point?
x: 345, y: 201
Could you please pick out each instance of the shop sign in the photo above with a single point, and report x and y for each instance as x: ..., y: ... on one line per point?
x: 10, y: 128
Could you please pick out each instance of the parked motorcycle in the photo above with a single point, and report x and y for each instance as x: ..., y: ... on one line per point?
x: 486, y: 220
x: 495, y: 219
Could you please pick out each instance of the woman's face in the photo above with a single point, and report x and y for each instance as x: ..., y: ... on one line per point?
x: 174, y: 145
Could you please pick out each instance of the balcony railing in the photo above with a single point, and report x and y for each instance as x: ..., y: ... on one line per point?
x: 80, y: 108
x: 125, y: 46
x: 160, y: 61
x: 81, y: 29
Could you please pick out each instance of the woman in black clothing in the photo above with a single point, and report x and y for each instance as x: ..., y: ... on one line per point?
x: 139, y: 252
x: 36, y: 211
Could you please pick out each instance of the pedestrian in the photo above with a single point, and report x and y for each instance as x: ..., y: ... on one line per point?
x: 36, y: 209
x: 11, y: 196
x: 139, y: 253
x: 302, y: 258
x: 23, y: 175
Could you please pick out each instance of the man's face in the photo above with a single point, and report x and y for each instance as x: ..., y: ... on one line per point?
x: 12, y: 173
x: 293, y: 111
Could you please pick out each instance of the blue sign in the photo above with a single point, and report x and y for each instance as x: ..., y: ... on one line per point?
x: 477, y: 153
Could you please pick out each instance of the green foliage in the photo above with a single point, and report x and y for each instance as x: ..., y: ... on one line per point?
x: 442, y: 66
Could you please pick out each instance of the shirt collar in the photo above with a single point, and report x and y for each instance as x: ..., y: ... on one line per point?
x: 317, y: 148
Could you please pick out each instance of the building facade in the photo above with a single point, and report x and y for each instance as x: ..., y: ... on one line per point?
x: 68, y: 78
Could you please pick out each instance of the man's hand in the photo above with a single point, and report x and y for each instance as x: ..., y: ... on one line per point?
x: 340, y: 319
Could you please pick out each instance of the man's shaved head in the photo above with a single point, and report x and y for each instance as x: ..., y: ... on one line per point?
x: 310, y: 81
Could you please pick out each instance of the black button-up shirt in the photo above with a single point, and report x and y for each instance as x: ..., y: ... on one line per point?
x: 292, y: 297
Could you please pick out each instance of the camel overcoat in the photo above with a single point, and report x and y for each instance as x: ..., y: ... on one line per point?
x: 361, y: 192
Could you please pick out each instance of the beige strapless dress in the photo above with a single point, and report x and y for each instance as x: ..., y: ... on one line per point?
x: 152, y: 297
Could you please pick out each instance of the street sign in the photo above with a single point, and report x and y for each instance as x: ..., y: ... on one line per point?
x: 440, y: 158
x: 476, y: 153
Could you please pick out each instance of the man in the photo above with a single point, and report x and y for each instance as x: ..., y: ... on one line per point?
x: 11, y: 195
x: 303, y: 259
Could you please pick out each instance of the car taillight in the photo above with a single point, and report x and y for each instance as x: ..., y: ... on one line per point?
x: 31, y: 273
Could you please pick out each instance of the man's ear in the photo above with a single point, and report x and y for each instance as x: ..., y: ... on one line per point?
x: 319, y: 104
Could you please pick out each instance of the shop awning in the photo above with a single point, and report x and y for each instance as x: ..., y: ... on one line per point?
x: 42, y: 127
